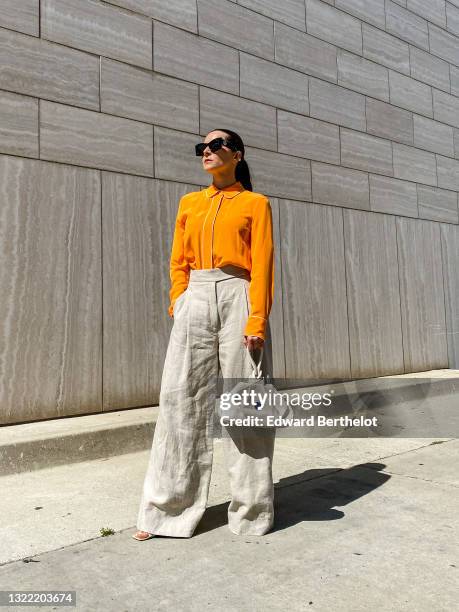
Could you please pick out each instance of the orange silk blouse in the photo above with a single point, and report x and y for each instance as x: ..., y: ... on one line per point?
x: 215, y: 227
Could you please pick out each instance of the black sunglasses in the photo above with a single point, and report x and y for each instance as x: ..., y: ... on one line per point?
x: 214, y: 145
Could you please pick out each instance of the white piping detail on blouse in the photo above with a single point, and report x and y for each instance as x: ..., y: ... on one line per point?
x: 202, y: 234
x: 212, y: 234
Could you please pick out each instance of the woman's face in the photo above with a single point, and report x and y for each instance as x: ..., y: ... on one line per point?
x: 223, y: 161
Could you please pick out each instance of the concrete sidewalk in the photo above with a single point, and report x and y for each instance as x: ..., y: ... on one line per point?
x: 366, y: 523
x: 360, y: 524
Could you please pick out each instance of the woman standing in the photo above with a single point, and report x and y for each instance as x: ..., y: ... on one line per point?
x: 222, y: 275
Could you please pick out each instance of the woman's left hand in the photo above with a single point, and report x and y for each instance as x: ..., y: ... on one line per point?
x: 253, y: 342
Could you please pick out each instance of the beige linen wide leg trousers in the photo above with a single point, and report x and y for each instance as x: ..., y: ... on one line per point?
x: 206, y: 339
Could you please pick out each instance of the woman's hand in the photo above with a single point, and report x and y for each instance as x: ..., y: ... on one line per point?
x: 253, y: 342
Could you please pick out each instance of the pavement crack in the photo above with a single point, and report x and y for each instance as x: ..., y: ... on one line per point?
x: 448, y: 484
x: 411, y: 450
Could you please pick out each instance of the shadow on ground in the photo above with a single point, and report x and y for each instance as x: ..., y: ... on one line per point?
x: 312, y: 495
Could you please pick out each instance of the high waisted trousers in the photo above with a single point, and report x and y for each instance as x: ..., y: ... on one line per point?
x: 206, y: 339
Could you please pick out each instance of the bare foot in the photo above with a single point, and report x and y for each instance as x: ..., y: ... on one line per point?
x: 142, y: 535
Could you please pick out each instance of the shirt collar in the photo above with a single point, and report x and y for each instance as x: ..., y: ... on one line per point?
x: 229, y: 191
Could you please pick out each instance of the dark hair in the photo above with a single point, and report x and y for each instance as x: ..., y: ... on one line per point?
x: 242, y: 168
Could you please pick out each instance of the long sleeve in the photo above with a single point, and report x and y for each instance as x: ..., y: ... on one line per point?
x: 179, y: 268
x: 261, y: 291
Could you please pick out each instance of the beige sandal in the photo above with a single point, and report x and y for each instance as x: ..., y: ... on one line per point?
x: 143, y: 535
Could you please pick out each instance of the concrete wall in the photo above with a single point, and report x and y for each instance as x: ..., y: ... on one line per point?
x: 350, y: 113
